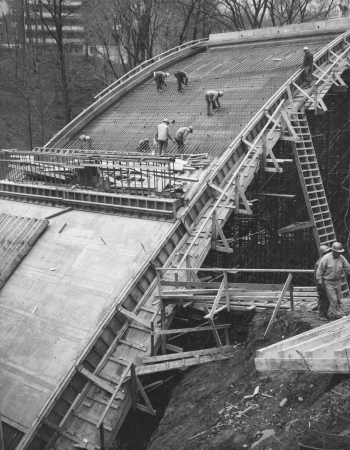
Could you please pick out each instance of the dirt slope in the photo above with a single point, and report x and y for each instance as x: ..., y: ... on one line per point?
x: 205, y: 411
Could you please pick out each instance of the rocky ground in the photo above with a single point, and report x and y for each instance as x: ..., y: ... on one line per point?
x: 207, y: 409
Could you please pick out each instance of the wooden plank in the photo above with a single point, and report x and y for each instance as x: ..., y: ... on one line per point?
x: 133, y: 344
x: 180, y: 363
x: 315, y: 342
x: 96, y: 380
x: 121, y: 381
x: 130, y: 315
x: 190, y: 354
x: 91, y: 420
x: 283, y: 293
x: 327, y: 350
x: 274, y: 348
x: 145, y: 397
x: 321, y: 365
x: 173, y: 348
x: 191, y: 330
x: 62, y: 211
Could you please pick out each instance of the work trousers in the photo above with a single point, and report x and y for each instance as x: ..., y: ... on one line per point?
x: 308, y: 73
x: 162, y: 147
x: 180, y: 145
x: 323, y: 302
x: 333, y: 290
x: 180, y: 82
x: 210, y: 102
x: 159, y: 82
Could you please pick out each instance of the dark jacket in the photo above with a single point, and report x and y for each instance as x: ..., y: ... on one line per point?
x: 308, y: 59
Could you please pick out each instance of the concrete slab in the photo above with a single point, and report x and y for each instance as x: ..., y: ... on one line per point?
x: 58, y: 295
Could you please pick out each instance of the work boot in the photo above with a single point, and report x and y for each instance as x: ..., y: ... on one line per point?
x: 209, y: 114
x: 322, y: 318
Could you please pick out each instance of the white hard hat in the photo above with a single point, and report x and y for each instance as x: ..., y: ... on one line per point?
x: 166, y: 120
x: 306, y: 48
x: 167, y: 74
x: 221, y: 93
x: 191, y: 128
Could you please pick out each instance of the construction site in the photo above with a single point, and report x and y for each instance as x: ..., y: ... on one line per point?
x: 121, y: 269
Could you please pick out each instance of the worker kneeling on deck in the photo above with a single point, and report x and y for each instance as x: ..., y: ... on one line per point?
x: 144, y: 146
x: 159, y: 78
x: 180, y: 137
x: 212, y: 99
x: 162, y: 135
x: 329, y: 275
x: 308, y: 64
x: 323, y: 302
x: 182, y: 79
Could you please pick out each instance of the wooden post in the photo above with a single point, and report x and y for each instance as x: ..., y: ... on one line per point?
x: 227, y: 336
x: 162, y: 320
x: 278, y: 304
x: 102, y: 437
x: 188, y: 266
x: 264, y: 152
x: 213, y: 231
x: 133, y: 388
x: 227, y: 292
x: 152, y: 338
x: 291, y: 297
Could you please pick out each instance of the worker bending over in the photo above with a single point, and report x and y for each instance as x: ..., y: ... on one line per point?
x: 329, y: 274
x: 308, y: 64
x: 159, y: 78
x: 323, y: 302
x: 343, y: 8
x: 182, y: 79
x: 212, y: 98
x: 180, y: 137
x: 162, y: 135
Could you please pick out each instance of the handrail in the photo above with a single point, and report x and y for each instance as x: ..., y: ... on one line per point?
x: 148, y: 63
x: 235, y: 270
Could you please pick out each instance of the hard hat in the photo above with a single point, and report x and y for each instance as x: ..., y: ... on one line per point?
x: 167, y: 74
x: 146, y: 140
x: 306, y: 48
x: 166, y: 120
x: 221, y: 93
x: 324, y: 249
x: 337, y: 247
x: 191, y: 129
x: 141, y: 142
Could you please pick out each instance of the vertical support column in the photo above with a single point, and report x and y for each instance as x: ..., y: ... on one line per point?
x: 133, y: 388
x: 264, y: 152
x: 226, y: 291
x: 213, y: 231
x: 102, y: 438
x: 2, y: 447
x: 162, y: 311
x: 188, y: 266
x: 152, y: 338
x: 291, y: 297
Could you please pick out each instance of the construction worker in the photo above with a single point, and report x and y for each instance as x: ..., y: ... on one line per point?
x: 323, y: 302
x: 343, y: 9
x: 182, y: 79
x: 212, y: 98
x: 329, y: 273
x: 307, y: 66
x: 144, y: 146
x: 162, y: 135
x: 180, y: 137
x: 159, y: 78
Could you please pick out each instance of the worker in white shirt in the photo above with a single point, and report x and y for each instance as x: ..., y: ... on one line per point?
x: 162, y: 135
x: 329, y: 274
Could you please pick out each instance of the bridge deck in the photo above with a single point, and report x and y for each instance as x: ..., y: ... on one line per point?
x: 249, y: 74
x: 57, y: 297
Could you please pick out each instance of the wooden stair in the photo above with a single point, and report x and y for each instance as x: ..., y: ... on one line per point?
x: 312, y: 185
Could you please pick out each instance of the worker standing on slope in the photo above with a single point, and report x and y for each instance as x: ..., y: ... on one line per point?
x: 162, y: 135
x: 329, y: 274
x: 182, y: 79
x: 212, y: 98
x: 307, y: 66
x: 180, y: 137
x: 323, y: 302
x: 159, y: 78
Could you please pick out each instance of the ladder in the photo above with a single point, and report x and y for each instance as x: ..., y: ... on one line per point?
x: 312, y: 186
